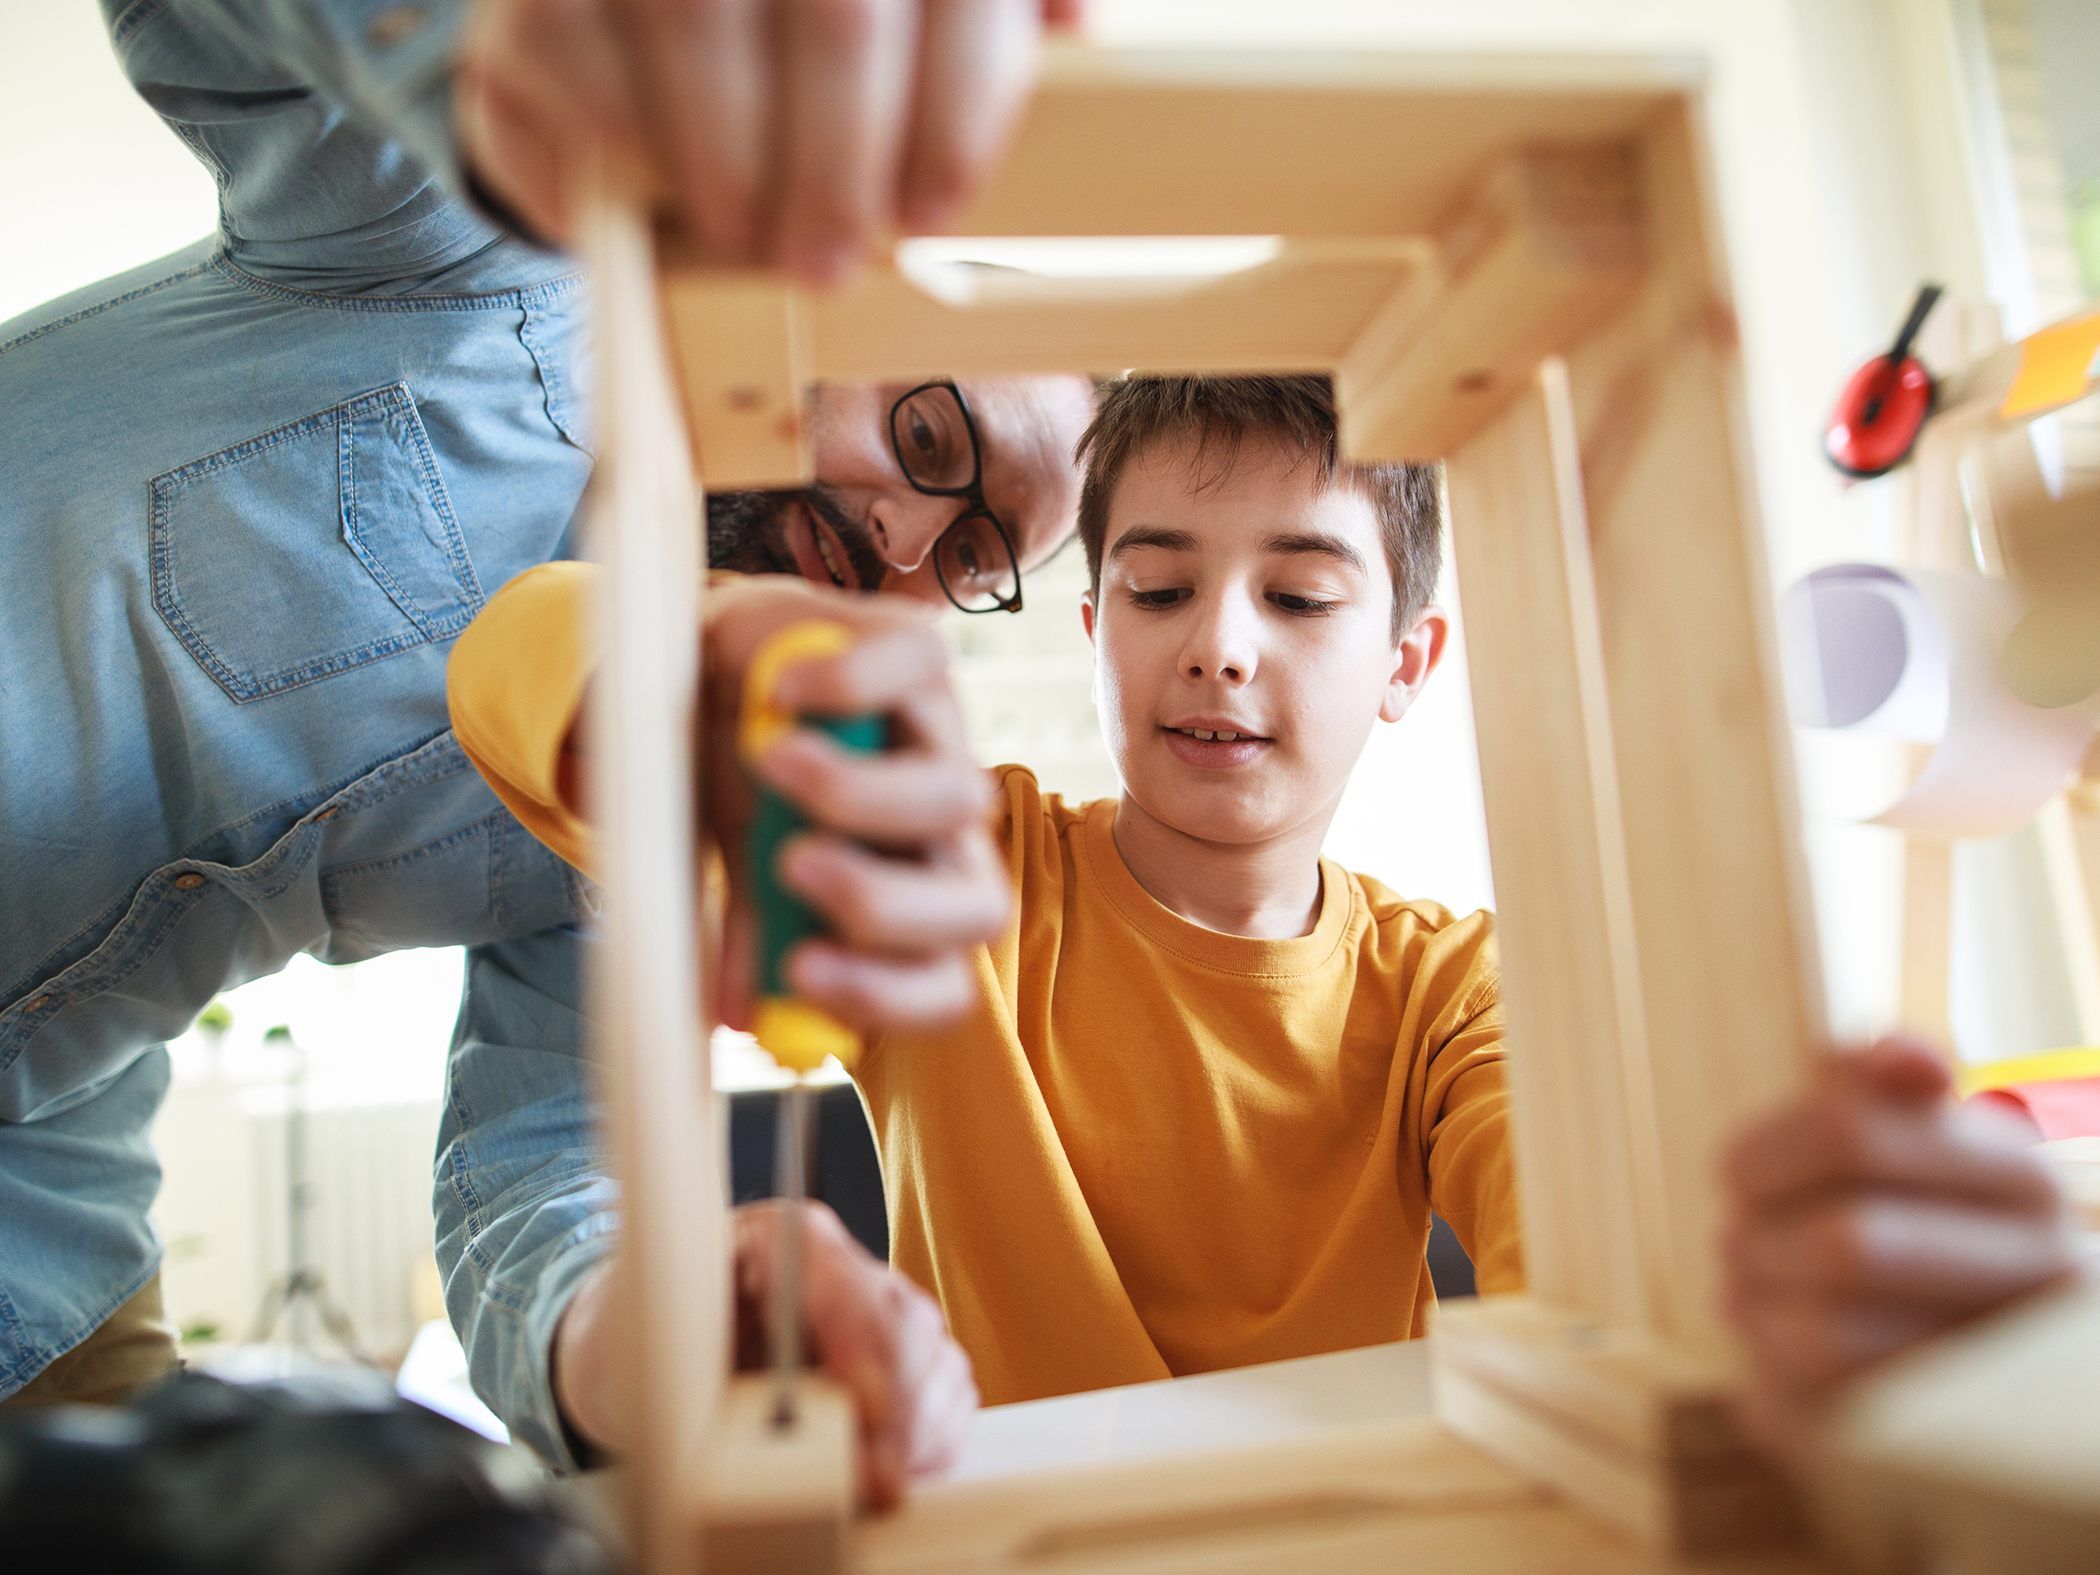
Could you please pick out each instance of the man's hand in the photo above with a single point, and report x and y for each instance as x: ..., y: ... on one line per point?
x: 780, y: 131
x: 1872, y: 1214
x: 875, y: 1332
x: 902, y: 920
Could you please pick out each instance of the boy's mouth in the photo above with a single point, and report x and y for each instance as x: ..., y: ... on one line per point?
x: 1214, y: 742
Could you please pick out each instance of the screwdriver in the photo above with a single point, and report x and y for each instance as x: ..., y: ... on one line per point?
x: 800, y: 1037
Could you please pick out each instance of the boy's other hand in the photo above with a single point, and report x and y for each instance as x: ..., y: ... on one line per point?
x: 868, y: 1327
x: 1871, y: 1214
x: 900, y: 863
x: 798, y: 132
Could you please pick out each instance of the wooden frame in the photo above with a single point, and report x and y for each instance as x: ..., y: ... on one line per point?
x: 1508, y: 263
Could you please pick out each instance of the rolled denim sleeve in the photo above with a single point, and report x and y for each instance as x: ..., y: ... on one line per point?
x: 525, y: 1206
x: 388, y: 62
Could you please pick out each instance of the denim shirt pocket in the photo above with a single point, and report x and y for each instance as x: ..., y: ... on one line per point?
x: 246, y: 545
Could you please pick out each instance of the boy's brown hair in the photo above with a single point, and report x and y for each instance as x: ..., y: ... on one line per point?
x: 1297, y: 412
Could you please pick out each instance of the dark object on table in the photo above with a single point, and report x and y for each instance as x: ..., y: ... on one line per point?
x: 326, y: 1474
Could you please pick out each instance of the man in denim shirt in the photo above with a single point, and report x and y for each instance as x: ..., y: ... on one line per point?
x: 253, y: 491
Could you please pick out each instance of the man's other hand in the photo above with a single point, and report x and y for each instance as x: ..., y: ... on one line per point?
x: 796, y: 132
x: 1871, y: 1214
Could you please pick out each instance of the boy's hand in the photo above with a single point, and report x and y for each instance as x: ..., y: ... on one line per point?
x: 1871, y: 1214
x: 792, y: 131
x: 901, y: 868
x: 868, y: 1327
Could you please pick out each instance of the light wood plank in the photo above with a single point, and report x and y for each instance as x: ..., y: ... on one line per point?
x: 671, y: 1301
x: 778, y: 1500
x: 1582, y: 1132
x: 742, y: 356
x: 1298, y: 311
x: 1627, y: 1387
x: 1292, y: 142
x: 1924, y: 961
x: 1549, y: 242
x: 1728, y: 966
x: 1680, y: 1509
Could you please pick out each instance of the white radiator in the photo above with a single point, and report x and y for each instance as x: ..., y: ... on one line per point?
x: 225, y: 1211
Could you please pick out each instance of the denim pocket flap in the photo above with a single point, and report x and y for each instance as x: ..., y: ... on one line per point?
x: 313, y: 549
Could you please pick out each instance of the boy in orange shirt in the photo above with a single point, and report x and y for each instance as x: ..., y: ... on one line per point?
x: 1210, y: 1086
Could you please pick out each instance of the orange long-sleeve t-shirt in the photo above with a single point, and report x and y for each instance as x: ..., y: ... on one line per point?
x: 1149, y: 1148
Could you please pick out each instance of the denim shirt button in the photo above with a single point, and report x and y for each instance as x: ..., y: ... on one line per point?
x: 188, y: 882
x: 36, y: 1005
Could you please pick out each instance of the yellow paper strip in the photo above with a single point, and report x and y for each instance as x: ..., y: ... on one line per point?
x: 2051, y: 1066
x: 2056, y: 367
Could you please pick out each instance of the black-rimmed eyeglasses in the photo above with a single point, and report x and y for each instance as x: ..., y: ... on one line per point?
x: 936, y: 446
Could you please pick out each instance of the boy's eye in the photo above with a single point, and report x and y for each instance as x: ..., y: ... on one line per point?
x: 1304, y: 606
x: 922, y: 439
x: 1165, y: 598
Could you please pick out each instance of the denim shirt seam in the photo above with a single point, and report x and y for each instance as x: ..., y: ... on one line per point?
x: 263, y: 442
x: 346, y: 489
x: 132, y: 18
x: 441, y: 500
x: 32, y: 1360
x: 15, y: 1338
x: 554, y: 390
x: 124, y: 299
x: 445, y: 623
x: 157, y: 913
x: 513, y: 299
x: 459, y: 1169
x: 417, y: 854
x: 352, y: 793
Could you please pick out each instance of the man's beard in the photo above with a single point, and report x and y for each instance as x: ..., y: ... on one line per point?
x: 747, y: 532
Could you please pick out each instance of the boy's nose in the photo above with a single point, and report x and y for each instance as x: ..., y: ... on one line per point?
x: 1219, y: 648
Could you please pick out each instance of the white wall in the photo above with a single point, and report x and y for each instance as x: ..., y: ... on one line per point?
x: 90, y: 181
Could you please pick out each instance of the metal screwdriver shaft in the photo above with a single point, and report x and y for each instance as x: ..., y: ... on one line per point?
x: 791, y: 1186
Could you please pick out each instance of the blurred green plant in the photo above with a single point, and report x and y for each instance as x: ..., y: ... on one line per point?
x: 2085, y: 230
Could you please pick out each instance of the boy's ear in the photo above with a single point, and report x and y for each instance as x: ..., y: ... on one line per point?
x: 1414, y: 659
x: 1086, y: 614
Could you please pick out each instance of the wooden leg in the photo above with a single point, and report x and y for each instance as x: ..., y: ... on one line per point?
x: 1583, y: 1132
x: 652, y: 1050
x: 1570, y: 1383
x: 1638, y: 1434
x: 1928, y: 914
x: 1729, y: 974
x: 2070, y: 835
